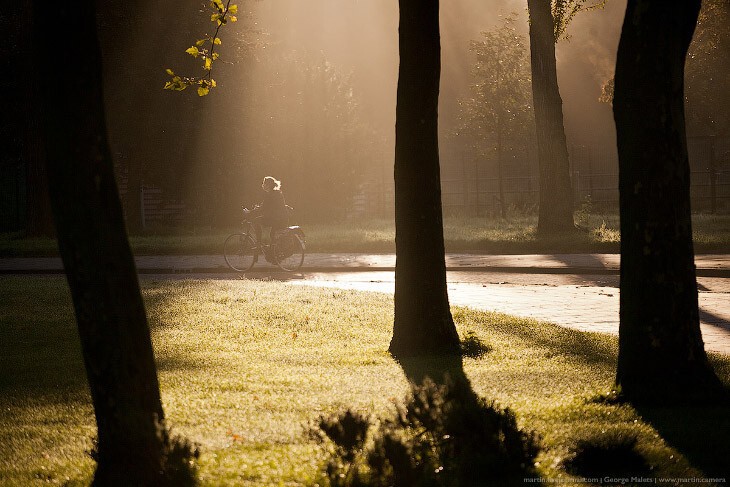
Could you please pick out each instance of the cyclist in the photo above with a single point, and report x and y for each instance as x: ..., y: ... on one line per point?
x: 271, y: 212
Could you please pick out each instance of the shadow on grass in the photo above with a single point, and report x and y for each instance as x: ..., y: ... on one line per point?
x: 592, y: 348
x: 699, y: 432
x: 477, y: 443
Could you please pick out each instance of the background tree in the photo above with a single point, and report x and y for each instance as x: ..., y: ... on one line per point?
x: 548, y: 23
x: 423, y: 323
x: 661, y: 353
x: 134, y: 447
x: 498, y: 114
x: 556, y: 197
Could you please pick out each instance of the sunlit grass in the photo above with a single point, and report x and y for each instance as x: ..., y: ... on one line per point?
x: 246, y: 366
x: 517, y: 235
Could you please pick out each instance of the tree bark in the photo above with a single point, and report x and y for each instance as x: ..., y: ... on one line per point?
x: 423, y: 323
x: 100, y: 270
x: 556, y: 197
x: 38, y: 215
x: 661, y: 353
x: 133, y: 203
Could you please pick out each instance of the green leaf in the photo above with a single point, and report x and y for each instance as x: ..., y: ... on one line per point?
x: 193, y: 51
x: 200, y: 42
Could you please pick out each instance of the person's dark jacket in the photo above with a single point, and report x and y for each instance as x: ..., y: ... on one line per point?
x: 273, y: 209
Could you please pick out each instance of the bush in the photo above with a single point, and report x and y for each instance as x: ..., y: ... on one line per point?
x: 612, y: 453
x: 442, y: 436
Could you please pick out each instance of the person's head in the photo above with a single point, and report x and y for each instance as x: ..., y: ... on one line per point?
x: 271, y: 183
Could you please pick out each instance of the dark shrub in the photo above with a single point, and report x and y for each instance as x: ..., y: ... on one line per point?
x: 441, y: 436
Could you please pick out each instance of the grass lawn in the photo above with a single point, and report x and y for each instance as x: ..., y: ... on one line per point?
x: 493, y: 236
x: 246, y: 366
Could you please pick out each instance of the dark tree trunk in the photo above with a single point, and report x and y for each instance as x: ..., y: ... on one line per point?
x: 99, y: 267
x: 38, y: 216
x: 661, y: 353
x: 556, y: 198
x: 133, y: 199
x: 423, y: 323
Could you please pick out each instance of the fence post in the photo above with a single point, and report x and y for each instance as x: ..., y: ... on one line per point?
x: 141, y: 205
x: 713, y: 179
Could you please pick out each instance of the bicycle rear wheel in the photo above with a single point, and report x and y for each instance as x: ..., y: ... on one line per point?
x: 240, y: 252
x: 293, y: 258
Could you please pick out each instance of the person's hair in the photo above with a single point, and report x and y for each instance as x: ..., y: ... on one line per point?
x: 273, y: 182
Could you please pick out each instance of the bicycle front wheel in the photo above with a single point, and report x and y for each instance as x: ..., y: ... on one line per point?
x: 239, y: 250
x: 293, y: 258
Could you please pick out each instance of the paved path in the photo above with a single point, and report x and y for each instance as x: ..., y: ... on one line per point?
x: 582, y: 302
x: 573, y: 290
x: 707, y: 265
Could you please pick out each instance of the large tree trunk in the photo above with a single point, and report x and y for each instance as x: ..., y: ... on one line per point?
x: 423, y: 323
x: 99, y: 267
x: 660, y: 346
x: 556, y: 197
x: 38, y: 216
x: 133, y: 199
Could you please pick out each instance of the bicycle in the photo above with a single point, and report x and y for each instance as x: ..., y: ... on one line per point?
x: 241, y: 251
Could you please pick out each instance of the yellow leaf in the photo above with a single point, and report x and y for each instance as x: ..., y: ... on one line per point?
x: 213, y: 83
x: 193, y: 51
x: 215, y: 17
x: 233, y: 18
x: 200, y: 42
x: 208, y: 64
x: 169, y: 71
x: 233, y: 9
x: 215, y: 56
x: 168, y: 86
x: 202, y: 91
x: 217, y: 41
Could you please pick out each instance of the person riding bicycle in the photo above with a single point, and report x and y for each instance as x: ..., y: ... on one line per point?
x: 272, y: 211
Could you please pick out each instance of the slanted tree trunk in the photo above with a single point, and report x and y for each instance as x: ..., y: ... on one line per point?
x: 110, y: 314
x: 556, y: 197
x: 660, y: 346
x: 423, y: 323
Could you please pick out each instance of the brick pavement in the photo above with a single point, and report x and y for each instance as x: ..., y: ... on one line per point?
x: 572, y: 290
x: 553, y: 263
x: 579, y: 302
